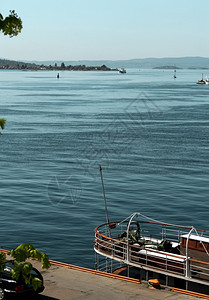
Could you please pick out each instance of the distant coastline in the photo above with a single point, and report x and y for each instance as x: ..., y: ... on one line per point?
x: 167, y: 68
x: 192, y: 63
x: 14, y: 65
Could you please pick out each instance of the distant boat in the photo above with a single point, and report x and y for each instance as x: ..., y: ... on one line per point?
x: 201, y: 81
x: 122, y: 70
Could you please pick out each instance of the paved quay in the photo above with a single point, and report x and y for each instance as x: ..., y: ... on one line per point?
x: 64, y: 283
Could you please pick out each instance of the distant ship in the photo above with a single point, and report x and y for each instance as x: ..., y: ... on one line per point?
x: 122, y: 70
x: 201, y: 81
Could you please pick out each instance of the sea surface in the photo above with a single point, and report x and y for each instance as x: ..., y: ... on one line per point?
x: 148, y: 131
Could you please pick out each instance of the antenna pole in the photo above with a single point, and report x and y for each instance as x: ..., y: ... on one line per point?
x: 100, y: 169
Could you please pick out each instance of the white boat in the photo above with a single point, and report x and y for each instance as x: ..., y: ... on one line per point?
x: 207, y: 80
x: 122, y: 70
x: 178, y: 256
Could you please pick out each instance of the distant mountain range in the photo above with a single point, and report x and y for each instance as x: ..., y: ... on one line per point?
x: 139, y: 63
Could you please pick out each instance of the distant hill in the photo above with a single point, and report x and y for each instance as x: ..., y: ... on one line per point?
x: 139, y: 63
x: 15, y: 64
x: 167, y: 67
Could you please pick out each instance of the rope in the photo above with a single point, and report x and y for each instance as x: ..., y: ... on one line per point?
x: 125, y: 219
x: 151, y: 219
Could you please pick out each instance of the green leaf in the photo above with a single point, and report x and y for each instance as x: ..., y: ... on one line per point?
x: 23, y: 268
x: 25, y: 251
x: 2, y: 261
x: 16, y: 271
x: 11, y: 25
x: 2, y: 122
x: 36, y: 283
x: 27, y: 267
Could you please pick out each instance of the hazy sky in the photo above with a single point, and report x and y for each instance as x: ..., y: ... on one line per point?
x: 107, y: 29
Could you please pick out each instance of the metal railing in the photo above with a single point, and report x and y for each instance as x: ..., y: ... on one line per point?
x: 139, y: 256
x: 113, y: 246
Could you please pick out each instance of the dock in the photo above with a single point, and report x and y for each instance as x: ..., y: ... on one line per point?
x: 65, y: 282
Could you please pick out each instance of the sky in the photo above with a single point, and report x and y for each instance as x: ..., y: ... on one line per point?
x: 106, y: 29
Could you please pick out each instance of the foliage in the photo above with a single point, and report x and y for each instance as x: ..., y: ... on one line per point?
x: 23, y: 268
x: 2, y: 261
x: 24, y: 251
x: 2, y: 123
x: 62, y: 65
x: 11, y: 25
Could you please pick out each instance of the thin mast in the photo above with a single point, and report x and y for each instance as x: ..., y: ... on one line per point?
x: 107, y: 218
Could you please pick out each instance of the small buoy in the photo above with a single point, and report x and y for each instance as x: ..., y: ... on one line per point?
x: 58, y: 75
x: 154, y: 283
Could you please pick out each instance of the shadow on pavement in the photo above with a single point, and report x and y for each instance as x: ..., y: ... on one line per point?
x: 38, y: 297
x: 42, y: 297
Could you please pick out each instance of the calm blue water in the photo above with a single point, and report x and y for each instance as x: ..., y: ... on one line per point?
x: 149, y: 132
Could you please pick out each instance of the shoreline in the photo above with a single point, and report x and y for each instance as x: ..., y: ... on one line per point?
x: 30, y: 67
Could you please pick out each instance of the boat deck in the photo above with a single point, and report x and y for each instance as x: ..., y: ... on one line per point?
x: 184, y: 257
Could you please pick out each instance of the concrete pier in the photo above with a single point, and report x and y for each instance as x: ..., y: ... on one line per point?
x: 65, y: 283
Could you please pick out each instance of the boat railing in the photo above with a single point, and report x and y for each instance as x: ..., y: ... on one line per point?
x: 116, y: 249
x: 109, y: 243
x: 112, y: 227
x: 108, y: 265
x: 149, y: 229
x: 110, y: 246
x: 199, y: 269
x: 136, y: 255
x: 172, y: 233
x: 145, y: 229
x: 157, y: 259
